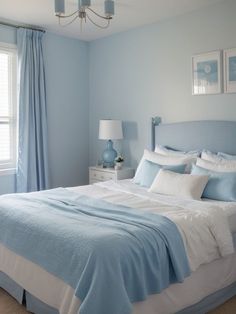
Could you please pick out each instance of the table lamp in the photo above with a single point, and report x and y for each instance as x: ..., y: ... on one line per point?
x: 110, y: 130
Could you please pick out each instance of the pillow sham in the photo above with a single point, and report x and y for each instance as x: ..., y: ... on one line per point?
x: 182, y: 185
x: 209, y: 156
x: 149, y: 170
x: 226, y: 156
x: 217, y: 166
x: 170, y: 151
x: 163, y: 161
x: 221, y: 185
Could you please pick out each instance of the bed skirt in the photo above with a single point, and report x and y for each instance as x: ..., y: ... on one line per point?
x: 36, y: 306
x: 212, y: 301
x: 32, y: 304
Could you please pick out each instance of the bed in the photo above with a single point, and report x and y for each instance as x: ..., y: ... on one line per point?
x: 209, y: 285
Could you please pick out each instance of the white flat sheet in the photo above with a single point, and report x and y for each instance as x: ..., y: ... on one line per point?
x: 229, y: 209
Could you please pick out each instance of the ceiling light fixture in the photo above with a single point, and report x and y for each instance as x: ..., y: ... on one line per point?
x: 85, y: 12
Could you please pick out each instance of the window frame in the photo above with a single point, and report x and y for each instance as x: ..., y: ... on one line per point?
x: 9, y: 167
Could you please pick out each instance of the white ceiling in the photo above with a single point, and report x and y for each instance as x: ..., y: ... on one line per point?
x: 129, y: 14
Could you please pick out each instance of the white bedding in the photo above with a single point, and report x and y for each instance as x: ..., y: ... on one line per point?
x: 229, y: 209
x: 203, y: 225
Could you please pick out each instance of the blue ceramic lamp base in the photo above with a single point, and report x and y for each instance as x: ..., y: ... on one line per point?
x: 109, y: 155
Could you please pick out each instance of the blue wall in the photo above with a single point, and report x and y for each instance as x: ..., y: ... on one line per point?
x: 147, y: 71
x: 66, y: 64
x: 67, y: 99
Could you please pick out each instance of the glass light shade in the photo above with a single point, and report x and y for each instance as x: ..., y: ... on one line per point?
x: 84, y: 3
x: 110, y: 130
x: 109, y: 8
x: 59, y: 7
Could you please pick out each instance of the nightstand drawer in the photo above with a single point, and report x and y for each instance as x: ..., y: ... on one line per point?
x: 101, y: 176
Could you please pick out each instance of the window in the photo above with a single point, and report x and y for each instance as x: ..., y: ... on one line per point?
x: 8, y: 108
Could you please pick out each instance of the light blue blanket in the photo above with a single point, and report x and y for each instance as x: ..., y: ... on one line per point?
x: 111, y: 255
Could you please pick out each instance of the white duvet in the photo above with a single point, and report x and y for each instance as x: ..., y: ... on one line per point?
x: 203, y: 225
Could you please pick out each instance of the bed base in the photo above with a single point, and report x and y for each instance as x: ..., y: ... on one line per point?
x: 212, y: 301
x: 36, y: 306
x: 31, y: 303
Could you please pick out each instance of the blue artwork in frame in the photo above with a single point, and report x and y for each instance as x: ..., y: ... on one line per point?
x: 230, y: 70
x: 206, y: 69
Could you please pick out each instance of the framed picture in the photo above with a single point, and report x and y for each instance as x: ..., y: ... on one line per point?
x: 230, y: 70
x: 206, y: 73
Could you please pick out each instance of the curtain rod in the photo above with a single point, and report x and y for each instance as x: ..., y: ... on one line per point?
x: 10, y: 24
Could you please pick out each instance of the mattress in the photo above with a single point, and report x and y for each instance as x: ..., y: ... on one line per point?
x: 206, y: 280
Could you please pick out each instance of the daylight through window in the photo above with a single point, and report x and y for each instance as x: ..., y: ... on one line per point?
x: 8, y: 108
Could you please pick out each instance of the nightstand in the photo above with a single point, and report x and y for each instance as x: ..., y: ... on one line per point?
x: 99, y: 174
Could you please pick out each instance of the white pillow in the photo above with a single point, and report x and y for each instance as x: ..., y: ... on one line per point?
x: 165, y: 160
x: 182, y: 185
x: 209, y: 156
x: 217, y: 166
x: 165, y: 151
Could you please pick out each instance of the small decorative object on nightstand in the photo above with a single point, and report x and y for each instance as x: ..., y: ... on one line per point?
x: 99, y: 174
x: 119, y: 162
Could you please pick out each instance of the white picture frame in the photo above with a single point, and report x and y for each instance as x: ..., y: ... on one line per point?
x: 230, y: 70
x: 207, y: 73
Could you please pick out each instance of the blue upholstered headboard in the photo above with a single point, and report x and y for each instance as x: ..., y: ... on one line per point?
x: 216, y: 136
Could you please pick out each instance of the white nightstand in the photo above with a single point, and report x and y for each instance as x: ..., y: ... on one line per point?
x: 99, y: 174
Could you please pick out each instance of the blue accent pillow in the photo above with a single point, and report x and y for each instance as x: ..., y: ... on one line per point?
x: 221, y: 186
x: 227, y: 156
x: 149, y: 170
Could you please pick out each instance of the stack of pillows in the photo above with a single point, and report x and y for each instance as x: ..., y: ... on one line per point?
x: 186, y: 175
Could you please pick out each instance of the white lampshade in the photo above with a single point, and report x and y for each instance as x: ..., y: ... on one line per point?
x: 110, y: 130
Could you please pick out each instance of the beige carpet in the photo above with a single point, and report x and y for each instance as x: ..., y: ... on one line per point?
x: 8, y: 305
